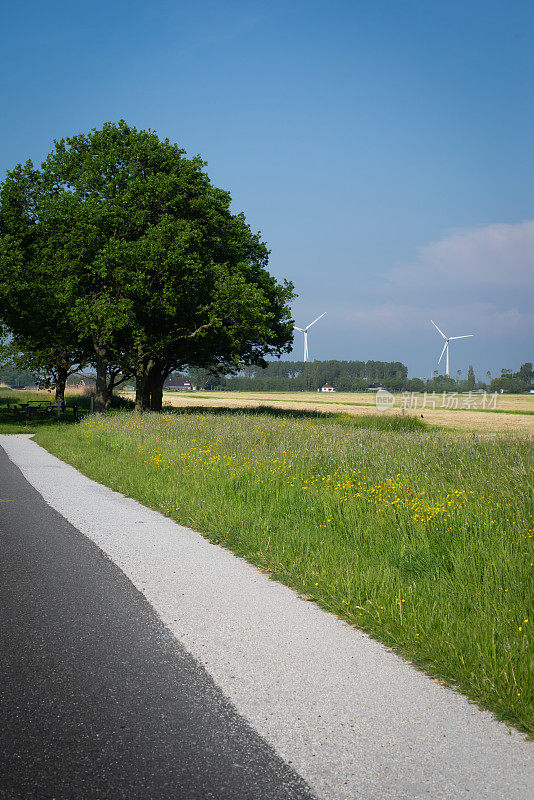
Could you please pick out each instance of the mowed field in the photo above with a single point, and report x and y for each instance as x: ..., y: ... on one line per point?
x: 513, y: 413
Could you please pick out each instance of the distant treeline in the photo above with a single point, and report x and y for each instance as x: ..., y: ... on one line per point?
x: 17, y: 378
x: 295, y: 376
x: 343, y: 376
x: 354, y: 376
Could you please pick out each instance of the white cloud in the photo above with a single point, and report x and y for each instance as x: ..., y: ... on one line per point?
x: 499, y: 255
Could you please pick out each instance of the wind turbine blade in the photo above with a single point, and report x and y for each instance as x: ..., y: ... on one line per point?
x: 462, y: 337
x: 298, y: 329
x: 315, y: 320
x: 438, y: 329
x: 444, y: 348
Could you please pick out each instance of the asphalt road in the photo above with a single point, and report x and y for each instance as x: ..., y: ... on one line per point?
x: 97, y: 698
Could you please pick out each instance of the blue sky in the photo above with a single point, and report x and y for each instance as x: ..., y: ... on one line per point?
x: 383, y: 148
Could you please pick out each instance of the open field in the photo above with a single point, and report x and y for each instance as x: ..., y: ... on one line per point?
x: 421, y: 537
x: 513, y: 413
x: 505, y: 402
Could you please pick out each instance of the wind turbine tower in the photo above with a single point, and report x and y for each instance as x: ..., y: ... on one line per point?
x: 446, y: 345
x: 305, y: 332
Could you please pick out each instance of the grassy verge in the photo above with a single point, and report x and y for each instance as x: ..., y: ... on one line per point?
x: 423, y: 538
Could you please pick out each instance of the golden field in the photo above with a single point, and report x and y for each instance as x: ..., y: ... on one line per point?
x: 358, y: 403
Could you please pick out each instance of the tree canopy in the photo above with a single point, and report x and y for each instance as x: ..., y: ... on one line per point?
x: 120, y: 253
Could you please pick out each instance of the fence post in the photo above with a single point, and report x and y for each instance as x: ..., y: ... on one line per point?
x: 92, y: 404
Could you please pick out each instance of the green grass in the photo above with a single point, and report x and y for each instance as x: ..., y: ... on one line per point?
x: 423, y: 538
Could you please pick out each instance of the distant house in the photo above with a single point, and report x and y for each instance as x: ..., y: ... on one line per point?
x: 326, y: 388
x: 374, y: 387
x: 530, y: 389
x: 179, y: 385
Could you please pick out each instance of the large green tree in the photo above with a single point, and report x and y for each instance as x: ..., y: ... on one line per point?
x: 152, y: 270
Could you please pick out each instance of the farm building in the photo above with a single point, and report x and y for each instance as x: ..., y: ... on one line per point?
x: 179, y: 385
x: 326, y: 388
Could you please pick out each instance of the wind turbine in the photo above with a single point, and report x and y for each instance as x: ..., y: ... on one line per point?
x: 446, y: 345
x: 305, y: 332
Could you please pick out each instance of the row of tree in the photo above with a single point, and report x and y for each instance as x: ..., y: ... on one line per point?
x: 353, y: 376
x: 344, y: 376
x: 119, y: 254
x: 510, y: 382
x: 514, y: 382
x: 16, y: 378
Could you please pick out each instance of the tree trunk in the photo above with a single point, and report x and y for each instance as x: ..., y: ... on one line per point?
x: 102, y: 399
x: 109, y: 393
x: 156, y: 390
x: 142, y: 396
x: 61, y: 380
x: 142, y: 381
x: 158, y: 376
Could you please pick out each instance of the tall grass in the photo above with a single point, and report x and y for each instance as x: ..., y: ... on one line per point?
x: 423, y: 538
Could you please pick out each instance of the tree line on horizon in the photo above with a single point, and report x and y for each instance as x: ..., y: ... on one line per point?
x: 354, y: 376
x: 344, y: 376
